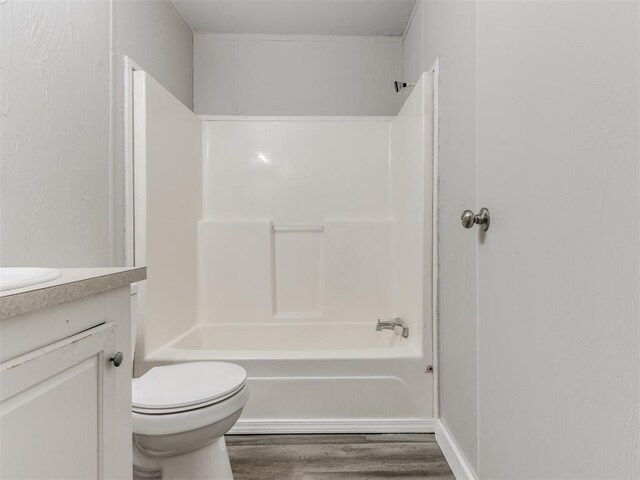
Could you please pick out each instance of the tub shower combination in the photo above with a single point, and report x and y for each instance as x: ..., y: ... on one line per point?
x: 311, y: 265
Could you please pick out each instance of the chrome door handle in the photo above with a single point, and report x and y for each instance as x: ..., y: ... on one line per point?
x: 469, y: 219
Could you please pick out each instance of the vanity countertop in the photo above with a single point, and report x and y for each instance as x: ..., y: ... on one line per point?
x: 74, y: 283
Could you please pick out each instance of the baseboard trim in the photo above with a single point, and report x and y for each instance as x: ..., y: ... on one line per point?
x: 262, y: 427
x: 452, y: 453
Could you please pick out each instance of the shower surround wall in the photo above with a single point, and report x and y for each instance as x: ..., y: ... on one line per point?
x: 297, y: 222
x: 312, y: 219
x: 312, y: 228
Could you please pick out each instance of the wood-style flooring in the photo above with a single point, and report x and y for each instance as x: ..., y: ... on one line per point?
x: 337, y: 457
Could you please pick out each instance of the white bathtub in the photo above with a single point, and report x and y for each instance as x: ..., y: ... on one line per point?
x: 316, y: 377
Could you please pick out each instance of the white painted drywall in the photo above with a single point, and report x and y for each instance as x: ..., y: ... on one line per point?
x: 168, y: 205
x: 61, y: 145
x: 446, y: 30
x: 296, y: 75
x: 412, y: 49
x: 156, y: 38
x: 55, y: 157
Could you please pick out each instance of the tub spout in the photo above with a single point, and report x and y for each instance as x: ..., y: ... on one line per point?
x: 396, y: 324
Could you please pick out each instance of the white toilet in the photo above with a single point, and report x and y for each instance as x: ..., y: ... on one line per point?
x: 180, y: 415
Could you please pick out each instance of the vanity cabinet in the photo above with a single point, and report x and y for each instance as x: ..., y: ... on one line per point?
x: 58, y: 409
x: 65, y: 394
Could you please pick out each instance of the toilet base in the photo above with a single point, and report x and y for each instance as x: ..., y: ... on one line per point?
x: 207, y: 463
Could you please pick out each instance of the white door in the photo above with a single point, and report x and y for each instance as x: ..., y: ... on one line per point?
x: 558, y: 269
x: 57, y: 410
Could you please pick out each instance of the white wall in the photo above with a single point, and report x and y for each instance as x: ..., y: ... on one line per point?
x: 447, y: 29
x: 296, y: 75
x: 61, y: 149
x: 55, y: 133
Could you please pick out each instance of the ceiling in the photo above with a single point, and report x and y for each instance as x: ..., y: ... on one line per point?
x: 303, y: 17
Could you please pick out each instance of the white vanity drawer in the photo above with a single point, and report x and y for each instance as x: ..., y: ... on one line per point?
x: 25, y: 333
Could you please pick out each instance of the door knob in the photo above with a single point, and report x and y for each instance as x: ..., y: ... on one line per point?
x: 117, y: 359
x: 469, y: 219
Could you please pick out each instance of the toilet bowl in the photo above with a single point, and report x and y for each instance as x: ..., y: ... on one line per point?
x: 180, y: 416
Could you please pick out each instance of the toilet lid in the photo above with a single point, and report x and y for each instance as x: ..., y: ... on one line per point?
x: 186, y: 385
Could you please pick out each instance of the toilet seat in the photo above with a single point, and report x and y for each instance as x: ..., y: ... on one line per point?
x: 176, y: 423
x: 184, y: 387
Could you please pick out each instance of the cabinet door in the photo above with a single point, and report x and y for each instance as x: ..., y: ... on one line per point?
x: 57, y: 409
